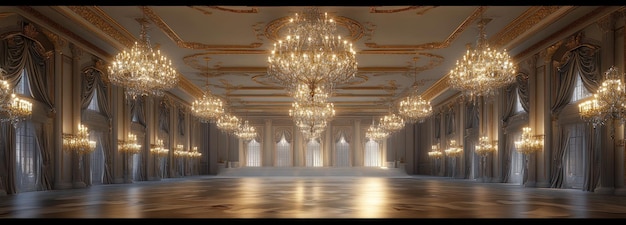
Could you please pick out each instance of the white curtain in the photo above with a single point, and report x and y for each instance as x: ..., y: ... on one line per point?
x: 283, y: 153
x: 372, y: 154
x: 342, y: 153
x: 517, y: 159
x: 574, y: 157
x: 97, y: 158
x: 27, y: 158
x: 253, y: 154
x: 313, y: 154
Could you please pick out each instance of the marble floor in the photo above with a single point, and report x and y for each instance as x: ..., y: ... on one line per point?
x: 312, y: 195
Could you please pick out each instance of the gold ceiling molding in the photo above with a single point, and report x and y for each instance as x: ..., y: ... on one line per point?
x: 529, y: 19
x: 437, y: 88
x: 251, y: 10
x: 436, y: 45
x: 356, y: 30
x: 187, y: 86
x: 106, y: 24
x: 62, y: 29
x: 58, y: 41
x: 179, y: 41
x: 423, y: 10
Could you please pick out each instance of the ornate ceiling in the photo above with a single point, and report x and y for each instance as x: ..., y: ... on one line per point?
x: 237, y: 39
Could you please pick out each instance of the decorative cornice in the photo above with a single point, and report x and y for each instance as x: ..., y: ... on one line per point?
x: 188, y: 87
x: 62, y: 29
x: 355, y: 29
x: 423, y: 10
x: 98, y: 18
x: 529, y: 19
x: 437, y: 88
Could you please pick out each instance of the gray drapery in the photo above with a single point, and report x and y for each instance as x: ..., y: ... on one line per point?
x: 19, y: 53
x: 509, y: 103
x: 558, y: 157
x: 583, y: 60
x: 92, y: 82
x: 592, y: 155
x: 522, y: 91
x: 450, y: 121
x: 507, y: 152
x: 437, y: 125
x: 105, y: 141
x: 136, y: 110
x: 181, y: 121
x: 471, y: 115
x: 45, y: 150
x: 164, y: 117
x: 8, y: 156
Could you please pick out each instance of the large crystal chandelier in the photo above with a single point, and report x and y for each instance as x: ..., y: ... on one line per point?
x: 485, y: 146
x: 312, y: 53
x: 483, y: 70
x: 608, y: 103
x: 5, y: 90
x: 310, y: 111
x: 141, y: 70
x: 376, y: 133
x: 529, y: 143
x: 246, y: 132
x: 16, y: 110
x: 209, y: 108
x: 228, y: 123
x: 413, y: 108
x: 79, y: 142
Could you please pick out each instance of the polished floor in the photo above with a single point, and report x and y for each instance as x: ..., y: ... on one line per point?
x: 318, y: 194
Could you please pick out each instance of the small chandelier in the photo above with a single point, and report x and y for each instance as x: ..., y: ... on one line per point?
x: 485, y: 147
x: 246, y: 132
x: 608, y: 103
x: 209, y: 108
x: 159, y: 149
x: 194, y: 153
x: 130, y: 145
x: 376, y: 133
x: 435, y: 152
x: 79, y: 142
x: 16, y: 110
x: 454, y: 150
x: 311, y: 116
x: 141, y: 70
x: 483, y: 70
x: 228, y: 123
x: 391, y: 123
x: 312, y: 53
x: 179, y: 151
x: 5, y: 90
x: 413, y: 108
x: 529, y: 143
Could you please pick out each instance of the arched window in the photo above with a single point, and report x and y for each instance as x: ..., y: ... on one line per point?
x: 283, y: 152
x: 313, y: 154
x: 253, y: 154
x: 342, y: 152
x: 372, y: 154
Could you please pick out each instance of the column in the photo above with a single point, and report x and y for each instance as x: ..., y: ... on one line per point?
x: 60, y: 178
x: 268, y: 144
x: 78, y: 171
x: 357, y: 149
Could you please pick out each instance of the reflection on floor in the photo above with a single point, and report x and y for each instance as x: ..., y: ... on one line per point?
x: 360, y: 195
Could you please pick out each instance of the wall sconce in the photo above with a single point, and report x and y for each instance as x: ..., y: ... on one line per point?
x: 435, y: 152
x: 130, y: 145
x: 179, y: 151
x: 194, y: 153
x: 485, y: 147
x: 454, y: 150
x: 79, y: 142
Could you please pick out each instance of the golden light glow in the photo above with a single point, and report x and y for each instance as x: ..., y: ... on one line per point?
x: 454, y: 150
x: 485, y: 146
x: 529, y: 143
x: 608, y: 103
x: 376, y: 133
x: 435, y: 152
x: 246, y: 132
x: 79, y: 142
x: 209, y: 108
x: 228, y: 123
x: 130, y: 145
x: 159, y: 148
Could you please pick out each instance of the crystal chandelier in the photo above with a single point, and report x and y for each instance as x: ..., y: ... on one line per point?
x: 454, y: 150
x: 141, y: 70
x: 179, y: 151
x: 529, y: 143
x: 483, y: 70
x: 209, y: 108
x: 608, y: 103
x: 228, y: 123
x: 130, y: 145
x: 391, y: 123
x: 16, y: 110
x: 413, y: 108
x: 5, y: 90
x: 376, y: 133
x: 484, y: 147
x: 79, y: 142
x: 312, y: 53
x: 311, y: 112
x: 159, y: 148
x: 246, y: 132
x: 435, y: 152
x: 194, y: 153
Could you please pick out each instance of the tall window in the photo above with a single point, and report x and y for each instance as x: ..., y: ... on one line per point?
x: 253, y: 154
x: 97, y: 158
x: 23, y: 87
x: 342, y: 151
x: 372, y: 154
x: 517, y: 160
x: 518, y: 103
x: 93, y: 104
x: 313, y: 154
x: 26, y: 158
x: 283, y: 152
x: 574, y: 157
x: 580, y: 91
